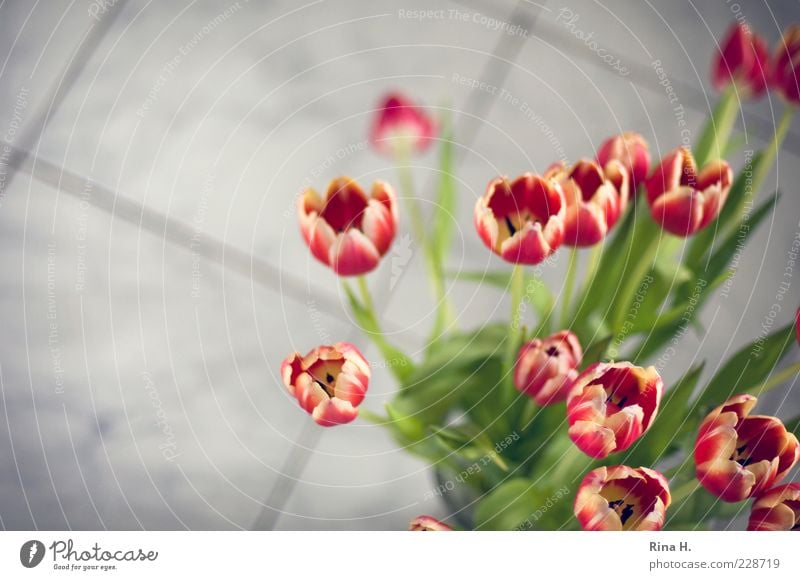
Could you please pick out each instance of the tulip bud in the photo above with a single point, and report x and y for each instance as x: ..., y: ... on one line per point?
x: 521, y: 221
x: 400, y: 125
x: 739, y: 456
x: 683, y: 201
x: 611, y: 405
x: 428, y: 524
x: 349, y: 231
x: 785, y: 65
x: 632, y: 151
x: 329, y: 382
x: 741, y: 59
x: 777, y: 510
x: 595, y: 199
x: 546, y: 369
x: 622, y: 498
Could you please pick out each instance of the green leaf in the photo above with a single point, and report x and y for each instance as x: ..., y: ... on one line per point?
x: 747, y: 368
x: 597, y: 351
x: 508, y: 506
x: 716, y: 132
x: 793, y: 426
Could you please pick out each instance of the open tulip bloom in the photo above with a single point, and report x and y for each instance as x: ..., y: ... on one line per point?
x: 581, y: 380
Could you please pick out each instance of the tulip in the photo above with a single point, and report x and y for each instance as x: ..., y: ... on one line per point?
x: 546, y: 369
x: 742, y: 60
x: 682, y: 201
x: 595, y: 199
x: 428, y: 524
x: 622, y: 498
x: 632, y: 151
x: 777, y: 510
x: 329, y: 382
x: 401, y: 126
x: 611, y: 405
x: 739, y: 456
x: 349, y: 231
x: 785, y: 65
x: 521, y: 221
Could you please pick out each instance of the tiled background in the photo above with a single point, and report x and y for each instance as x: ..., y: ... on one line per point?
x: 167, y: 142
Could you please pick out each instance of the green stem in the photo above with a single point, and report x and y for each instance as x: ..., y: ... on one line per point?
x: 717, y: 131
x: 779, y: 378
x: 566, y: 465
x: 366, y: 297
x: 515, y: 330
x: 566, y: 297
x: 407, y: 187
x: 646, y: 248
x: 771, y: 151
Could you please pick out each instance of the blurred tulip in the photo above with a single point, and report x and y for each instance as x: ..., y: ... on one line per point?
x: 682, y: 201
x: 742, y: 59
x: 521, y: 221
x: 428, y: 524
x: 595, y: 199
x: 401, y: 125
x: 622, y: 498
x: 631, y: 150
x: 739, y: 456
x: 785, y: 65
x: 777, y: 510
x: 329, y: 382
x: 611, y: 405
x: 348, y: 230
x: 546, y: 369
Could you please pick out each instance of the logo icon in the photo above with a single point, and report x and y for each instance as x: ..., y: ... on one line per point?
x: 31, y: 553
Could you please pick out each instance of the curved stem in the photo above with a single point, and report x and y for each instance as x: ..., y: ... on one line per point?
x: 515, y: 331
x: 566, y: 297
x: 779, y: 378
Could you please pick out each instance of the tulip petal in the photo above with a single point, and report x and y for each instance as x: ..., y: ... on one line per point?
x: 353, y: 254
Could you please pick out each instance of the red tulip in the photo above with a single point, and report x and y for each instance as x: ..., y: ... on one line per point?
x: 741, y: 59
x: 595, y: 199
x: 682, y: 201
x: 632, y: 151
x: 739, y: 456
x: 622, y: 498
x: 785, y: 65
x: 611, y: 405
x: 400, y: 124
x: 546, y: 369
x: 521, y: 221
x: 428, y: 524
x: 777, y: 510
x: 349, y: 231
x: 329, y: 382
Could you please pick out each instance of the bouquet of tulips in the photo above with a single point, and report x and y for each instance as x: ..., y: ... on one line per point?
x: 555, y: 419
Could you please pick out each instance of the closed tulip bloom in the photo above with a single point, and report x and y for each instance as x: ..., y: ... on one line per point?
x: 611, y: 405
x: 785, y: 65
x: 400, y: 125
x: 521, y: 221
x: 546, y: 369
x: 777, y: 510
x: 742, y: 59
x: 329, y: 382
x: 595, y: 199
x: 632, y: 151
x: 622, y: 498
x: 683, y: 201
x: 737, y: 455
x: 349, y: 230
x: 428, y: 524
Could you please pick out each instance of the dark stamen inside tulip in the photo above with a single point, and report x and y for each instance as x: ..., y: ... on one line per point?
x: 740, y: 457
x: 511, y: 227
x: 327, y: 388
x: 625, y: 513
x: 329, y: 378
x: 552, y: 351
